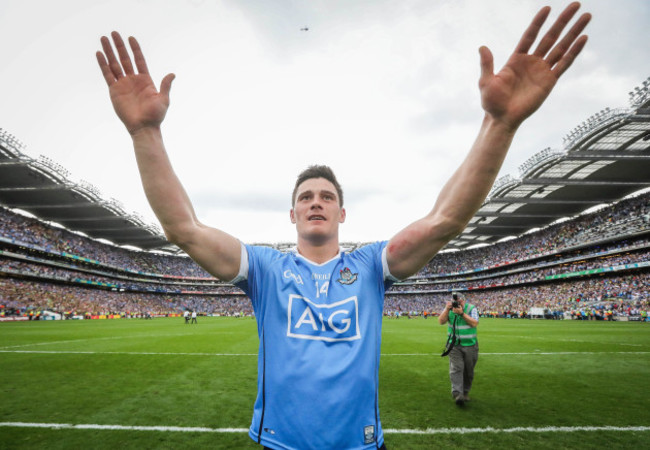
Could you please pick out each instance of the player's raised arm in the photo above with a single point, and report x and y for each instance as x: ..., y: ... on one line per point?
x: 508, y: 98
x: 142, y: 109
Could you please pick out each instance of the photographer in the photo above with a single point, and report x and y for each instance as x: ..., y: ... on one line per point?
x: 461, y: 320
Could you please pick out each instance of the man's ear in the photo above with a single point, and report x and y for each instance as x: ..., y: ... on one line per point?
x: 292, y: 216
x: 342, y: 216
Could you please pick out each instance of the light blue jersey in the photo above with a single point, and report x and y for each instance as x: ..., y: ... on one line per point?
x: 319, y: 327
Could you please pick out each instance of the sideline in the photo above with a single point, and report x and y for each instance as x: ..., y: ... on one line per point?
x: 428, y: 431
x: 73, y: 352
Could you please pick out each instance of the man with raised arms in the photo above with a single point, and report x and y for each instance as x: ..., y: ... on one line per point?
x: 318, y: 308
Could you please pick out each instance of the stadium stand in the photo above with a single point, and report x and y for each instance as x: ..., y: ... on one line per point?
x: 591, y: 266
x: 576, y: 267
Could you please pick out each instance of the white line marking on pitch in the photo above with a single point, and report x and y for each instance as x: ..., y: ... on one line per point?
x: 72, y: 352
x: 63, y: 426
x: 124, y: 353
x: 526, y: 353
x: 86, y: 340
x: 515, y: 430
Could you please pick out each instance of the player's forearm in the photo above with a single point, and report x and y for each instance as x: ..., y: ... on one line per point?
x: 460, y: 198
x: 466, y: 190
x: 162, y: 187
x: 473, y: 323
x: 216, y: 251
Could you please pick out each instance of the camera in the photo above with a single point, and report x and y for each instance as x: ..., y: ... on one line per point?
x: 455, y: 302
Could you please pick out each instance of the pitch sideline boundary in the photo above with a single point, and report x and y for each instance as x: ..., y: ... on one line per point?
x: 82, y: 352
x: 428, y: 431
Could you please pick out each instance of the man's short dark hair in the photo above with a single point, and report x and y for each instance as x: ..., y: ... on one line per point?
x: 317, y: 171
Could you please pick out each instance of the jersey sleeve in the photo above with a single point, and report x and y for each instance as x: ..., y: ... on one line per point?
x: 389, y: 277
x: 242, y: 275
x: 255, y: 261
x: 375, y: 257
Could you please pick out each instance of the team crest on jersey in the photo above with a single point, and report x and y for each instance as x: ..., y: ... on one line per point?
x: 347, y: 277
x: 332, y: 322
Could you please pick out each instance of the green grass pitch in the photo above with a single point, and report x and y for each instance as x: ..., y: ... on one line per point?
x: 539, y: 384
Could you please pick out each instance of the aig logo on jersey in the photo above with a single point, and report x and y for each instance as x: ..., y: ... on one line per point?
x: 334, y: 322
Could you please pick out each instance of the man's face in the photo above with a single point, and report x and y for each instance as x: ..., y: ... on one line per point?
x: 317, y: 213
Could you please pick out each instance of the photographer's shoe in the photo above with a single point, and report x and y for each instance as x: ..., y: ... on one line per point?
x: 460, y: 399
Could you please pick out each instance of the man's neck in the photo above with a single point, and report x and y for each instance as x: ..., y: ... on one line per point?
x: 318, y: 252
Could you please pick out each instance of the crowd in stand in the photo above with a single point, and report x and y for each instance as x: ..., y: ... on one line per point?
x: 24, y: 295
x: 618, y: 293
x: 523, y: 276
x: 45, y: 271
x: 130, y: 282
x: 627, y: 217
x: 19, y: 228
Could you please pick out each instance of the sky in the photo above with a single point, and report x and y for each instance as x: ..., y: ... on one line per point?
x: 383, y: 91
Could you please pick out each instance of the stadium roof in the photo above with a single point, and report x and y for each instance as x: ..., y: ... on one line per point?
x: 42, y: 188
x: 604, y: 159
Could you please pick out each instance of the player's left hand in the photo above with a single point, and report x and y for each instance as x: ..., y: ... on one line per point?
x: 523, y: 84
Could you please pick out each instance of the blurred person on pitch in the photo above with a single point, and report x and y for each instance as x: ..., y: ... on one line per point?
x: 319, y: 308
x: 462, y: 322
